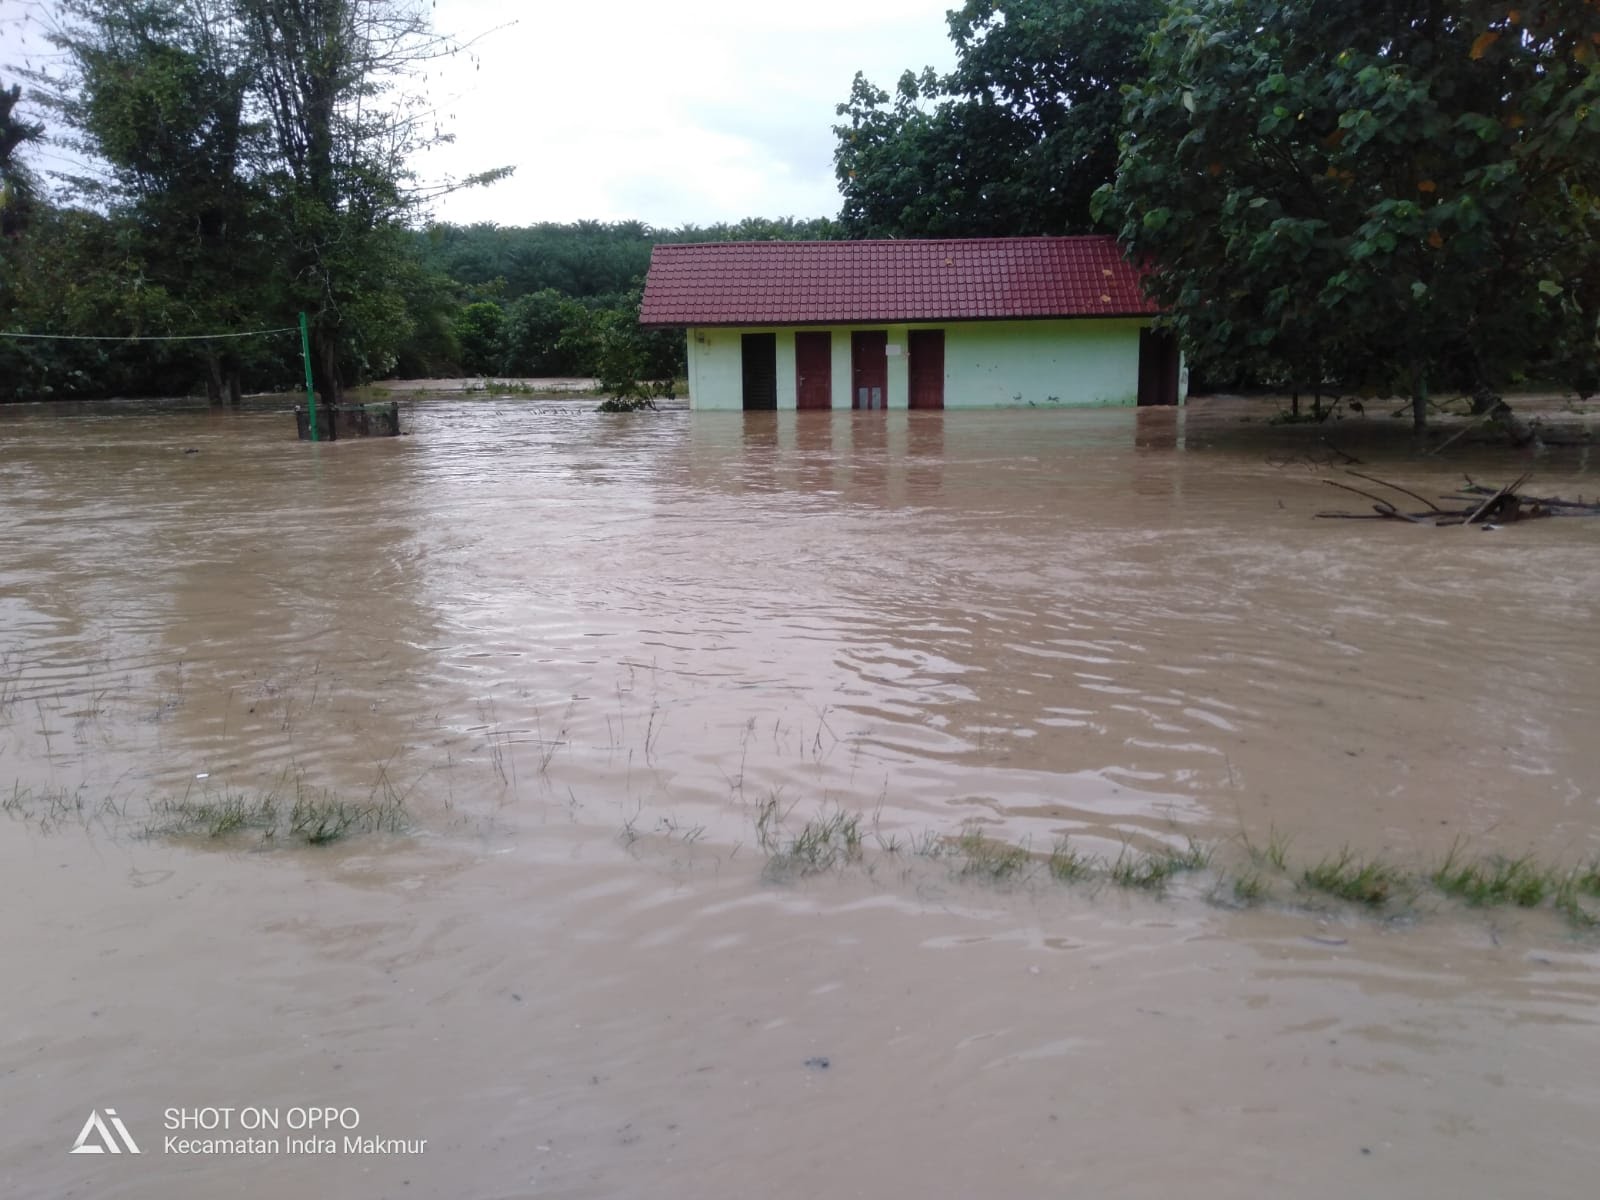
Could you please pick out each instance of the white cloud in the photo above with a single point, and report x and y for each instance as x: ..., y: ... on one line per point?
x: 625, y: 109
x: 668, y: 113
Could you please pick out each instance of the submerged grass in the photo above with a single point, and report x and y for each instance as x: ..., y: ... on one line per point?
x: 1068, y: 865
x: 1274, y: 852
x: 828, y: 840
x: 989, y: 858
x: 313, y: 816
x: 212, y: 817
x: 1366, y: 881
x: 1250, y: 887
x: 290, y: 812
x: 1153, y: 871
x: 1133, y: 869
x: 1493, y: 881
x: 834, y: 839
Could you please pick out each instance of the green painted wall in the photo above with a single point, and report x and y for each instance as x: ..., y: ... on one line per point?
x: 987, y: 364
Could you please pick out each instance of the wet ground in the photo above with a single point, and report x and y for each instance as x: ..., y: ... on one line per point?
x: 584, y: 654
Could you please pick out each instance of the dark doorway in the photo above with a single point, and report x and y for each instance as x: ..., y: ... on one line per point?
x: 1158, y: 367
x: 869, y: 369
x: 813, y: 370
x: 760, y: 351
x: 926, y: 348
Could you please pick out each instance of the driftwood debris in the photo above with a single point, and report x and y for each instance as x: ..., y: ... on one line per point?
x: 1481, y: 505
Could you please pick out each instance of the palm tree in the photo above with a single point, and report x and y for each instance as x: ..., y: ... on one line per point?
x: 16, y: 181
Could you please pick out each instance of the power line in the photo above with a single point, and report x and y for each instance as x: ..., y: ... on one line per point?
x: 175, y: 337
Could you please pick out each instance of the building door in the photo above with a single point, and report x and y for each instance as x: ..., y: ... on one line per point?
x: 760, y: 369
x: 813, y: 370
x: 1158, y: 367
x: 869, y: 369
x: 926, y: 348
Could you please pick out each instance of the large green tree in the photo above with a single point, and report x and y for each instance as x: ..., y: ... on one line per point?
x: 157, y: 92
x: 1014, y: 140
x: 1398, y: 194
x: 261, y: 149
x: 334, y: 76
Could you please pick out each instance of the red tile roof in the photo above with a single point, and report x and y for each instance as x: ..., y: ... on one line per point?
x: 957, y: 279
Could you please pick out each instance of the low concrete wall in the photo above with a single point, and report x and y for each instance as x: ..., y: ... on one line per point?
x: 350, y: 421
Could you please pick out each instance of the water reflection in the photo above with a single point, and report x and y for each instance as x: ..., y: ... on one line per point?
x: 1058, y: 621
x: 1157, y: 428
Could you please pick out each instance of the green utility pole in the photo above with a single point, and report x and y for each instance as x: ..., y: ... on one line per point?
x: 311, y: 394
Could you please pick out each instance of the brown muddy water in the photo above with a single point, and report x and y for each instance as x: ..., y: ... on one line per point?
x: 585, y: 652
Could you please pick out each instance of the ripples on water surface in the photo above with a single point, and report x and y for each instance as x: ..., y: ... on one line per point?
x: 1100, y: 623
x: 544, y: 627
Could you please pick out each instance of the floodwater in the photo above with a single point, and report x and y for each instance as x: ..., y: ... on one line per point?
x: 585, y: 652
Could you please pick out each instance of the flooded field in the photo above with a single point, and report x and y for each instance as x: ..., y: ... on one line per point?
x: 472, y: 782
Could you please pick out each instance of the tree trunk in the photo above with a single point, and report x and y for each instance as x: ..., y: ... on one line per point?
x: 214, y: 380
x: 325, y: 369
x: 1419, y: 401
x: 235, y: 392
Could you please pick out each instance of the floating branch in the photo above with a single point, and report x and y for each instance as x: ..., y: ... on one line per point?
x: 1484, y: 505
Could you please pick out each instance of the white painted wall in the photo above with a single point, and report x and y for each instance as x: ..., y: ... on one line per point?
x: 988, y: 364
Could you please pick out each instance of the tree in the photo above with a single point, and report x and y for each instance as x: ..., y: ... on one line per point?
x: 263, y: 148
x: 158, y: 93
x: 1014, y: 141
x: 547, y: 334
x: 632, y: 363
x: 332, y: 76
x: 17, y: 187
x: 480, y: 332
x: 1400, y: 190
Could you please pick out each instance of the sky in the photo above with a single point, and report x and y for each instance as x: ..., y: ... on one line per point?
x: 668, y: 113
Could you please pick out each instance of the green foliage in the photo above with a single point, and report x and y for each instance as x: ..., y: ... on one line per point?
x: 634, y: 362
x: 617, y: 404
x: 1396, y: 194
x: 1014, y: 141
x: 547, y: 334
x: 255, y: 162
x: 582, y: 260
x: 17, y: 184
x: 480, y: 334
x: 251, y: 160
x: 158, y: 94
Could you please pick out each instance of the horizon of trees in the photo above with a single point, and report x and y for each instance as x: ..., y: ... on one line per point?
x: 1385, y: 195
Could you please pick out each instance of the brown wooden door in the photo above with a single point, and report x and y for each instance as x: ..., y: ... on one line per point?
x: 869, y: 369
x: 760, y: 370
x: 813, y: 370
x: 1158, y: 367
x: 926, y: 348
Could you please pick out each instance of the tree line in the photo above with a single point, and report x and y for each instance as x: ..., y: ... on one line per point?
x: 246, y: 160
x: 563, y: 299
x: 1396, y: 196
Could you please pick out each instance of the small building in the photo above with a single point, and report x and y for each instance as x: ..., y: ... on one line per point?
x: 924, y: 324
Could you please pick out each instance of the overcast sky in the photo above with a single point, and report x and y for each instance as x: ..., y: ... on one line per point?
x: 669, y: 113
